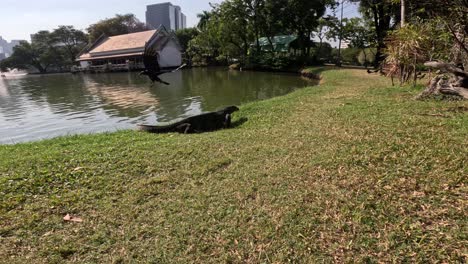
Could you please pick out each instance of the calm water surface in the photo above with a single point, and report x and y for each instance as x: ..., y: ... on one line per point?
x: 39, y: 107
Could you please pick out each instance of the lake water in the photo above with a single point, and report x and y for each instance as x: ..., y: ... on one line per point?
x: 36, y: 107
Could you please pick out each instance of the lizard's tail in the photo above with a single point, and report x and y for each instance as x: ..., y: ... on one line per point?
x: 153, y: 129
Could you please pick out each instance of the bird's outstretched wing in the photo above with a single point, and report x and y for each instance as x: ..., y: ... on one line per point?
x: 150, y: 60
x: 152, y: 68
x: 180, y: 67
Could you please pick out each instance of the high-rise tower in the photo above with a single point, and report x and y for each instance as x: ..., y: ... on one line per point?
x: 166, y: 14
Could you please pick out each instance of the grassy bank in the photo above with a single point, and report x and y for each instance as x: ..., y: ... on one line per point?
x: 350, y: 171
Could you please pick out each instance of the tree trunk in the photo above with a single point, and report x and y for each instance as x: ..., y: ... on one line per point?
x: 456, y: 86
x: 365, y: 57
x: 319, y: 50
x: 257, y: 36
x: 39, y: 67
x: 379, y: 55
x: 246, y: 48
x: 270, y: 41
x: 301, y: 43
x: 382, y: 25
x: 378, y: 31
x: 403, y: 13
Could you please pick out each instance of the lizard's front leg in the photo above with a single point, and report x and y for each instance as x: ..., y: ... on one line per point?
x: 184, y: 128
x: 227, y: 121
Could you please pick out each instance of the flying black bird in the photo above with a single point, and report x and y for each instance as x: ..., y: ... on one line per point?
x: 152, y: 68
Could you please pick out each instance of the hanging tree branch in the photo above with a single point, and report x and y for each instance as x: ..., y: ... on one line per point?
x: 455, y: 36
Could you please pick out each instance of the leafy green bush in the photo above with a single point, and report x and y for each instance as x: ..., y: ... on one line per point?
x: 350, y: 56
x: 278, y: 61
x: 367, y: 56
x: 409, y: 47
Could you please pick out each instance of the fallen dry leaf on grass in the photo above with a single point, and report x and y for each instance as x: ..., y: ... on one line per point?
x: 72, y: 219
x: 418, y: 194
x: 78, y: 168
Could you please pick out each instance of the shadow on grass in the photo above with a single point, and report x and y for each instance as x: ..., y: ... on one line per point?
x: 239, y: 122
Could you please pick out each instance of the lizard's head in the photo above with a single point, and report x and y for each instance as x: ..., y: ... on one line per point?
x: 231, y: 109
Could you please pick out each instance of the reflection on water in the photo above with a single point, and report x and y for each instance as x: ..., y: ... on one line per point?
x: 126, y: 96
x: 37, y: 107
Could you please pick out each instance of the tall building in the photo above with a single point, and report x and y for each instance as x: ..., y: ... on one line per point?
x: 7, y: 47
x: 4, y: 47
x: 166, y: 14
x: 2, y: 54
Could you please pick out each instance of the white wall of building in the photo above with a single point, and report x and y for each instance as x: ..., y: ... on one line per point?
x: 170, y: 56
x: 84, y: 64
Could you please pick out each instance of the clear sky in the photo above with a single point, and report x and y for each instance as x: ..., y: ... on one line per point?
x: 20, y: 18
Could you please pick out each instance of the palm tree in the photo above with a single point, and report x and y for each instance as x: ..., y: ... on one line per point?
x: 204, y: 18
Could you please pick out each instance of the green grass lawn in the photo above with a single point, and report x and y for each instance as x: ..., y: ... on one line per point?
x: 353, y: 170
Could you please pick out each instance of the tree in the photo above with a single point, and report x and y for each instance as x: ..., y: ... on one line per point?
x: 302, y: 18
x: 235, y: 34
x: 451, y: 17
x: 234, y: 27
x: 226, y: 34
x: 256, y: 18
x: 454, y: 15
x: 70, y: 39
x: 403, y: 12
x: 350, y: 55
x: 406, y: 48
x: 118, y: 25
x: 204, y: 18
x: 359, y: 31
x: 328, y: 27
x: 385, y: 15
x: 58, y: 48
x: 185, y: 36
x: 273, y: 22
x: 37, y: 54
x: 364, y: 57
x: 205, y: 47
